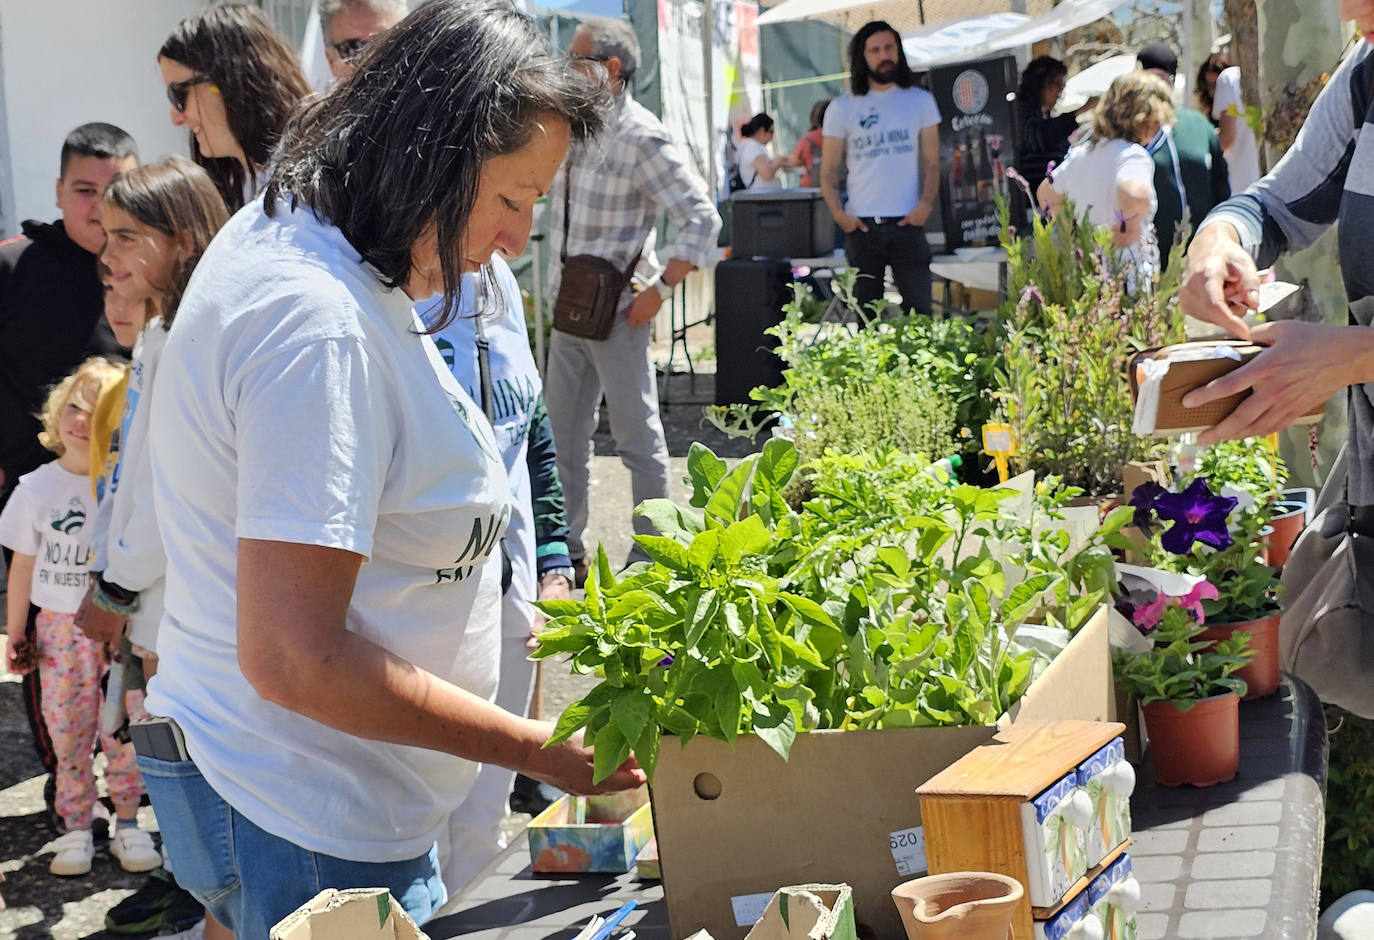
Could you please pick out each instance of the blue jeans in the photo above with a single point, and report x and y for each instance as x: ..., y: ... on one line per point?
x: 250, y: 879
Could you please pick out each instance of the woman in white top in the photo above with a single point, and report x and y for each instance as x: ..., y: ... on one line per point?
x: 332, y: 500
x: 757, y: 169
x: 234, y: 82
x: 1110, y: 176
x: 1220, y: 94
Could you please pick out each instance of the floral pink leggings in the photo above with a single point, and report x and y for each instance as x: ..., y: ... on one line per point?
x: 69, y: 671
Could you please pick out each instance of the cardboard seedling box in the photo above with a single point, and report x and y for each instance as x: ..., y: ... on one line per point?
x: 352, y: 914
x: 736, y: 824
x: 616, y: 827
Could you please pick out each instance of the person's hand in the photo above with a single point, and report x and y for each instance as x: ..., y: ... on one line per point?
x: 568, y: 766
x: 1303, y: 366
x: 644, y: 307
x: 1220, y: 284
x: 553, y: 587
x: 917, y: 216
x: 849, y: 223
x: 12, y: 658
x: 100, y: 625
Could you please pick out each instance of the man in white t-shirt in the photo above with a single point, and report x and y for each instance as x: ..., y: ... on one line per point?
x: 887, y: 131
x: 1237, y: 138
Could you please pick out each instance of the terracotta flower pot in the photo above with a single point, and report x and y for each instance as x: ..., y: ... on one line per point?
x: 961, y: 905
x: 1262, y: 675
x: 1290, y: 516
x: 1200, y: 746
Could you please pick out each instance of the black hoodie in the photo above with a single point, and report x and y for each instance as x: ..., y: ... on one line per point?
x: 51, y: 318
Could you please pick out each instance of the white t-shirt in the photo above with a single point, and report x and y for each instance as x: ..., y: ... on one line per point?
x: 749, y: 151
x: 1242, y: 157
x: 125, y: 540
x: 1092, y: 171
x: 881, y: 132
x: 515, y: 389
x: 47, y: 517
x: 298, y: 400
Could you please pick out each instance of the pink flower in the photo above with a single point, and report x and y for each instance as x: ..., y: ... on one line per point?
x: 1148, y: 617
x: 1192, y: 601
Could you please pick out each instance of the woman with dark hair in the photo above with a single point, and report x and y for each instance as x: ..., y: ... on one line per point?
x: 1222, y: 100
x: 1044, y: 136
x: 322, y: 716
x: 757, y: 169
x: 234, y: 82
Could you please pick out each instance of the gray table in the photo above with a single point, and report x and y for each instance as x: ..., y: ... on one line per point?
x: 1238, y: 860
x: 1242, y: 859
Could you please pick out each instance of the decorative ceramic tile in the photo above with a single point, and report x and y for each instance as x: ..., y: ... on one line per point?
x: 1115, y: 898
x: 1054, y: 826
x: 1074, y: 922
x: 1108, y: 779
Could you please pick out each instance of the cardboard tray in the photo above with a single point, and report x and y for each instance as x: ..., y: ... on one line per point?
x: 735, y: 824
x: 1173, y: 418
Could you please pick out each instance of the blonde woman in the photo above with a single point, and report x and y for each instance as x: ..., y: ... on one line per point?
x: 1110, y: 176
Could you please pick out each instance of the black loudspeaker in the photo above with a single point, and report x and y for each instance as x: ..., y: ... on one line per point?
x: 789, y: 223
x: 750, y: 294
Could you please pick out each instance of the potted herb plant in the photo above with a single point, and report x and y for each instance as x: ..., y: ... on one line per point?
x: 1188, y: 692
x: 1070, y: 326
x: 1207, y: 537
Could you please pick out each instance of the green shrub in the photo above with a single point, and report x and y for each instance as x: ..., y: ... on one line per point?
x: 1348, y: 855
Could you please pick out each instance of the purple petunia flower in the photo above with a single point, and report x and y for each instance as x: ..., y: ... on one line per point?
x: 666, y: 661
x: 1143, y: 499
x: 1197, y: 514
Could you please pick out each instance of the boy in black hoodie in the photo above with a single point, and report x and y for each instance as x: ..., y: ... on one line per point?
x: 51, y: 318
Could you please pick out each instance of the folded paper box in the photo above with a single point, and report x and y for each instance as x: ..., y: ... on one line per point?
x: 614, y: 829
x: 352, y: 914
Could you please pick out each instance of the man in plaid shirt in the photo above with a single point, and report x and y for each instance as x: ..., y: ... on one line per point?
x: 619, y: 186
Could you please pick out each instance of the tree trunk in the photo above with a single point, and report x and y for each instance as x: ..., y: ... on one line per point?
x: 1300, y: 41
x: 1244, y: 20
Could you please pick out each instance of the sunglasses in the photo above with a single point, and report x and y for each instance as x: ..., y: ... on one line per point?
x: 349, y: 48
x: 178, y: 91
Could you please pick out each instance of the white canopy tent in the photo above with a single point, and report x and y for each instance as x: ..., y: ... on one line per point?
x: 907, y: 16
x: 935, y: 45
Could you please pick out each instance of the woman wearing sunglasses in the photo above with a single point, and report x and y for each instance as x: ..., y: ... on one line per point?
x: 234, y: 82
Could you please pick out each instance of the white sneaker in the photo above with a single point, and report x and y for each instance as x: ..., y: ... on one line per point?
x: 134, y: 849
x: 74, y: 851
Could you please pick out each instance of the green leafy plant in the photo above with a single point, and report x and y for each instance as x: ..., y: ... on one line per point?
x: 1348, y: 850
x: 1179, y: 667
x: 871, y: 606
x: 909, y: 383
x: 1071, y: 326
x: 1251, y: 467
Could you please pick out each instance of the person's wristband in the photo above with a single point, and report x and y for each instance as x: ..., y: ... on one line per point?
x: 665, y: 291
x: 112, y: 598
x: 566, y: 573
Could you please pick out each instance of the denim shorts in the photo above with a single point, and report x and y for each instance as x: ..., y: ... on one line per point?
x: 250, y: 879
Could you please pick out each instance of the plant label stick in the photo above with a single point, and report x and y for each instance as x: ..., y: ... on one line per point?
x: 999, y: 442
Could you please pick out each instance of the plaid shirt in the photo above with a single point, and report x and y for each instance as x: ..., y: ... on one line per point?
x: 621, y: 182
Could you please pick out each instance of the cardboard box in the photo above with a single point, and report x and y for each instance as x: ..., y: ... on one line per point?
x: 352, y: 914
x: 615, y: 828
x: 736, y: 824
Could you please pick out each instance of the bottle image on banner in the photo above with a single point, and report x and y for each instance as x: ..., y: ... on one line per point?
x: 985, y: 175
x: 956, y: 179
x: 999, y: 172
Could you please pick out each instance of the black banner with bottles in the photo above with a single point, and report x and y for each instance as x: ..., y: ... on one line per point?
x: 977, y: 144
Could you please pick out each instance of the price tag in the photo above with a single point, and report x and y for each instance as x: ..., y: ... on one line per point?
x: 749, y: 908
x: 909, y: 850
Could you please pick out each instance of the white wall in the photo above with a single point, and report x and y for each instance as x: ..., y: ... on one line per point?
x: 66, y: 62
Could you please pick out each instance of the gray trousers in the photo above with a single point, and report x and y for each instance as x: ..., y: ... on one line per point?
x: 578, y: 372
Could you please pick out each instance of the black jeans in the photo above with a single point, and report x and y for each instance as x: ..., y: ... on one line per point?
x: 905, y: 249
